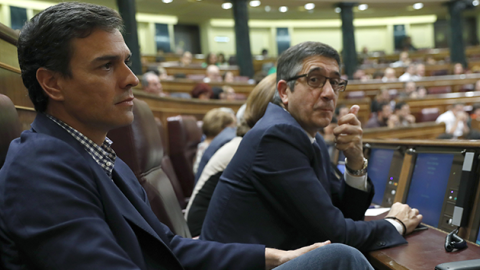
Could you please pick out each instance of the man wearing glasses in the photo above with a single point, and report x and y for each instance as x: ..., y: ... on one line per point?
x: 279, y: 189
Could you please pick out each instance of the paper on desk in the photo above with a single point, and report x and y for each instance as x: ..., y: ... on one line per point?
x: 376, y: 211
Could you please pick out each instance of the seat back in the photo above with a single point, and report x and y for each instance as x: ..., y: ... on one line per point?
x: 355, y: 94
x: 9, y: 125
x: 140, y: 146
x: 184, y: 136
x: 429, y: 114
x: 439, y: 90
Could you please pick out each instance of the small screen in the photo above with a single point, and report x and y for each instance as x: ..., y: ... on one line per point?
x: 378, y: 170
x: 429, y: 184
x: 341, y: 167
x: 478, y: 238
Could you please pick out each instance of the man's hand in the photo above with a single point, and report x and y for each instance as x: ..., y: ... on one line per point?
x: 276, y: 257
x: 409, y: 216
x: 348, y: 138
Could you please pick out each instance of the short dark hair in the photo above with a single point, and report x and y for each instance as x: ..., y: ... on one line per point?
x: 290, y: 61
x: 399, y: 105
x: 45, y: 41
x: 381, y: 105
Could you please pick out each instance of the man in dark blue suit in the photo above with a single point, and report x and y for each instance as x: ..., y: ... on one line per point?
x: 279, y: 189
x: 66, y: 200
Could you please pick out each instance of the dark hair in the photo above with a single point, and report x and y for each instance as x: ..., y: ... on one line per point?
x: 399, y: 105
x: 338, y: 108
x: 45, y: 41
x: 381, y: 105
x: 290, y: 61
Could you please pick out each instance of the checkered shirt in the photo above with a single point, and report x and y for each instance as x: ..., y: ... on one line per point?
x: 103, y: 155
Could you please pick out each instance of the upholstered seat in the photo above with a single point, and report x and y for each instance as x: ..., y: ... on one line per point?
x: 140, y: 146
x: 184, y: 136
x: 9, y: 126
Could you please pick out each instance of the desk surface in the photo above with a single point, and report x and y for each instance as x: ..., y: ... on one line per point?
x: 424, y: 251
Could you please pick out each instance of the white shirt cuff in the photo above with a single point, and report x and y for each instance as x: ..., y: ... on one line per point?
x: 397, y: 225
x: 358, y: 182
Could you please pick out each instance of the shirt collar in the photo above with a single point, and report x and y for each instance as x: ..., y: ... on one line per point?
x: 103, y: 155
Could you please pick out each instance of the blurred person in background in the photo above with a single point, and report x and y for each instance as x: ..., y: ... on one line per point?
x: 211, y: 59
x: 402, y: 111
x: 202, y: 91
x: 389, y: 75
x: 151, y: 84
x: 186, y: 59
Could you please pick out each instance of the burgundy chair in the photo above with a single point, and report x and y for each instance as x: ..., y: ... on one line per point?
x: 168, y: 169
x: 140, y: 146
x: 9, y: 126
x: 439, y: 90
x: 184, y: 136
x: 429, y: 114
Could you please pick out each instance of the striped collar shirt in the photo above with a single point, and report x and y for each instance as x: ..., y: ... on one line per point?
x: 103, y: 155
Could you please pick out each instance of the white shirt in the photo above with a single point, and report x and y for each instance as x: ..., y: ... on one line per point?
x: 449, y: 119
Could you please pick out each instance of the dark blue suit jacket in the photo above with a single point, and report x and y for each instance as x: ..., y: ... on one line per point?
x: 279, y: 190
x: 222, y: 138
x: 60, y: 210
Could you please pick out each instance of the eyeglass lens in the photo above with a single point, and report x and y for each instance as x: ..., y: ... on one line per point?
x: 316, y: 80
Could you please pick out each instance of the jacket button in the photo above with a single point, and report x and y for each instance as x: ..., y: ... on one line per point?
x: 381, y: 243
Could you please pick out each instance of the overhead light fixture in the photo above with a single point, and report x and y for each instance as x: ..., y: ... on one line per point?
x: 268, y: 8
x: 283, y: 9
x: 363, y: 7
x: 309, y: 6
x: 417, y: 5
x: 475, y: 2
x: 338, y: 9
x: 255, y: 3
x: 227, y: 5
x: 167, y: 1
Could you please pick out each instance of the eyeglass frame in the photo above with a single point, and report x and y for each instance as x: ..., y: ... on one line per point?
x: 326, y: 78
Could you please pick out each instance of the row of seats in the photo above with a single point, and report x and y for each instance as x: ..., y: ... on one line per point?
x: 167, y: 178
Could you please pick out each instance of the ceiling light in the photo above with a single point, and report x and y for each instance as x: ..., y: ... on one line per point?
x: 167, y: 1
x: 283, y: 9
x: 338, y: 9
x: 309, y: 6
x: 255, y: 3
x: 268, y: 8
x: 417, y: 5
x: 362, y: 7
x: 475, y: 2
x: 227, y: 5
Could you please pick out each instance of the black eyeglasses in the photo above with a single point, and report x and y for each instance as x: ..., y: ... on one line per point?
x: 316, y: 80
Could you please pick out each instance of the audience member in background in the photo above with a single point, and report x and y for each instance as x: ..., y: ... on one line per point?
x: 420, y: 71
x: 430, y: 60
x: 378, y: 75
x: 265, y: 53
x: 409, y: 74
x: 211, y: 59
x: 360, y: 75
x: 256, y: 105
x: 402, y: 61
x: 390, y: 75
x: 383, y: 96
x: 228, y: 93
x: 226, y: 135
x: 402, y: 111
x: 214, y: 122
x: 458, y: 69
x: 186, y: 59
x: 202, y: 91
x: 380, y: 118
x: 477, y: 86
x: 421, y: 92
x: 455, y: 120
x: 407, y: 44
x: 408, y: 89
x: 228, y: 77
x: 393, y: 121
x: 213, y: 74
x: 221, y: 61
x: 151, y: 84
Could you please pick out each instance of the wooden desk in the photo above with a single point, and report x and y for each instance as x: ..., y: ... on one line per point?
x: 424, y: 131
x: 172, y: 68
x: 425, y: 250
x: 186, y: 86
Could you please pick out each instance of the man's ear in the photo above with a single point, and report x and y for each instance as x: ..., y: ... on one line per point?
x: 282, y: 88
x: 48, y: 80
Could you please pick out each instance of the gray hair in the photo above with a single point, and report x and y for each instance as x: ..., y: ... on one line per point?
x: 145, y: 78
x: 290, y: 62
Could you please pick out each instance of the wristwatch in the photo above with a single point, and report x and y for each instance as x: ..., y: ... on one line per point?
x: 360, y: 172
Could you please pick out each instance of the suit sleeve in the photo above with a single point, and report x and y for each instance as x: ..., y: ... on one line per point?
x: 285, y: 177
x: 53, y: 210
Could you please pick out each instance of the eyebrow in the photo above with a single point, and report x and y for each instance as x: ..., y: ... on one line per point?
x: 319, y: 68
x: 109, y: 58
